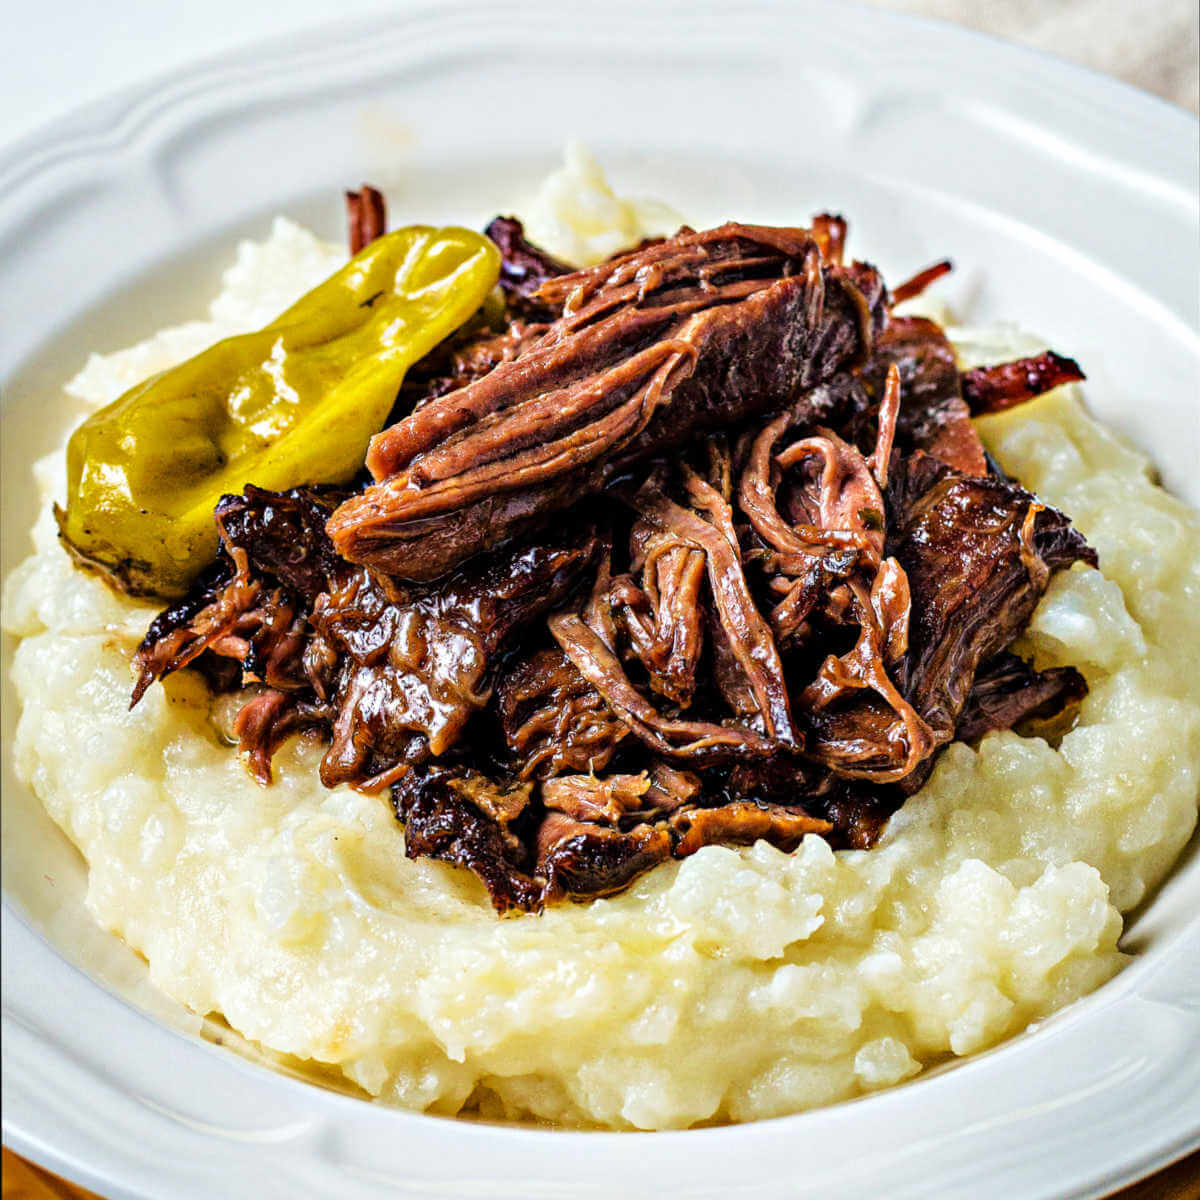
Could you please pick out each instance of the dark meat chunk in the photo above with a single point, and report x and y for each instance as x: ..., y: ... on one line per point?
x: 993, y: 389
x: 524, y: 267
x: 859, y: 721
x: 747, y: 669
x: 651, y: 349
x: 267, y: 720
x: 622, y: 800
x: 578, y: 858
x: 933, y: 415
x: 366, y: 217
x: 858, y: 814
x: 1008, y: 691
x: 413, y: 670
x: 700, y: 742
x: 181, y: 633
x: 553, y: 719
x: 605, y: 800
x: 816, y: 505
x: 283, y: 534
x: 251, y: 605
x: 446, y: 816
x: 829, y: 232
x: 855, y: 812
x: 978, y: 554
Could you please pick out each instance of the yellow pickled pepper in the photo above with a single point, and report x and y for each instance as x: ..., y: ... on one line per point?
x: 294, y: 403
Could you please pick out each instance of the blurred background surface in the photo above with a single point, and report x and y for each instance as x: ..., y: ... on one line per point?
x: 59, y: 56
x: 1153, y: 44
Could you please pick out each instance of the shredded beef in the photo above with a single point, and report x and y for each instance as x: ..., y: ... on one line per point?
x: 366, y: 217
x: 687, y: 335
x: 462, y: 359
x: 696, y: 546
x: 1008, y: 692
x: 552, y: 719
x: 446, y: 818
x: 993, y: 389
x: 978, y: 553
x: 524, y: 267
x: 934, y: 416
x: 412, y: 671
x: 920, y: 281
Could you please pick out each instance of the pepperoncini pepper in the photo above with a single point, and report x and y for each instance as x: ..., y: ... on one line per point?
x: 294, y: 403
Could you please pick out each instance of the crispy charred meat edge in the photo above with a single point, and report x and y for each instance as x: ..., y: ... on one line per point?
x: 698, y: 546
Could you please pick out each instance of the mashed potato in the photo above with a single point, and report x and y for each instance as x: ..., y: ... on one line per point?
x: 738, y: 984
x: 579, y: 218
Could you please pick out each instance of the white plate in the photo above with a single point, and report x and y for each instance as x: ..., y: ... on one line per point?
x: 1069, y: 202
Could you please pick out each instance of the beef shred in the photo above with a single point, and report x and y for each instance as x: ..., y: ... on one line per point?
x: 653, y: 348
x: 696, y: 546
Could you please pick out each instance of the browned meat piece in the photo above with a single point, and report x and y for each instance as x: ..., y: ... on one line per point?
x: 671, y: 788
x: 283, y: 533
x: 578, y: 858
x: 662, y: 619
x: 602, y: 799
x: 860, y: 724
x: 858, y: 814
x: 933, y: 415
x: 413, y: 670
x: 920, y: 281
x: 553, y: 719
x: 816, y: 505
x: 366, y: 217
x: 653, y: 348
x: 446, y: 816
x: 251, y: 607
x: 855, y: 811
x: 993, y: 389
x: 180, y: 634
x: 814, y: 499
x: 1007, y: 692
x: 267, y: 720
x: 748, y: 672
x: 978, y: 553
x: 615, y: 799
x: 742, y: 822
x: 829, y: 231
x: 524, y: 267
x: 461, y: 360
x: 695, y: 741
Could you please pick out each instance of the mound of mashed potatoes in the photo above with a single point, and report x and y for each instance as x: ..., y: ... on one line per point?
x: 736, y: 985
